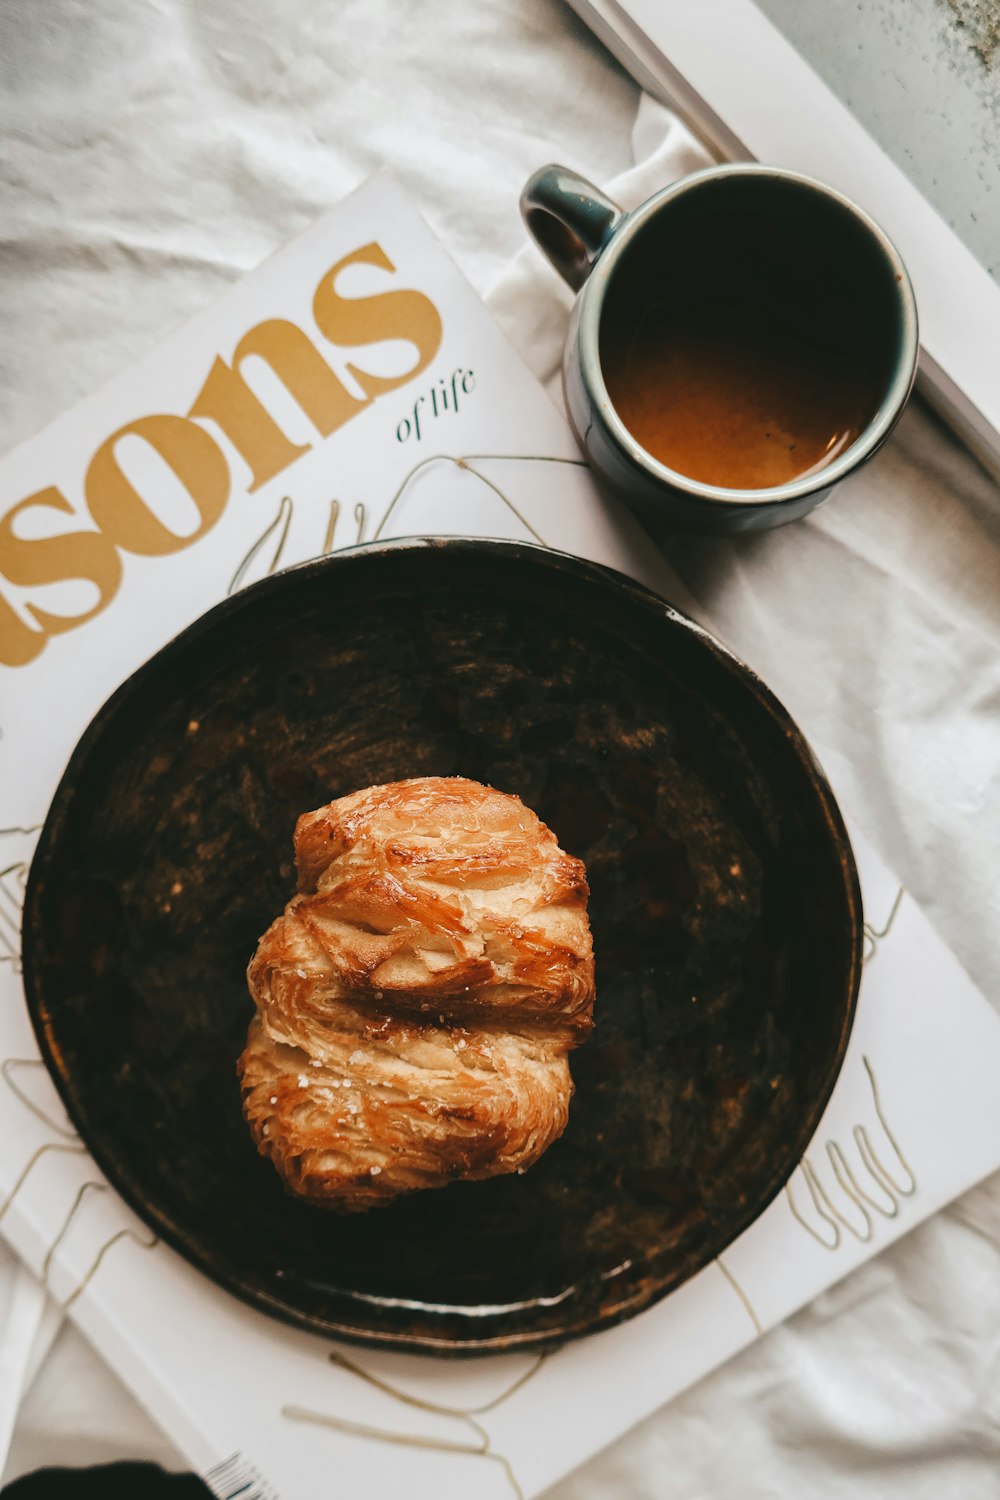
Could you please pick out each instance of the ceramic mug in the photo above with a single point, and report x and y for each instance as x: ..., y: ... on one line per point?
x: 804, y: 236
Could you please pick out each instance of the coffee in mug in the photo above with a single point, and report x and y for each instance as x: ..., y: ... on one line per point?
x: 741, y: 340
x: 744, y: 371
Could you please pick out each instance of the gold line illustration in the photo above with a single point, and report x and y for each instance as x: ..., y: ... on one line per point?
x: 874, y: 935
x: 861, y: 1201
x: 70, y: 1145
x: 12, y: 883
x: 520, y: 458
x: 123, y: 1234
x: 62, y: 1146
x: 425, y: 463
x: 462, y: 1412
x: 467, y: 463
x: 331, y: 527
x: 8, y: 1069
x: 16, y: 871
x: 13, y: 880
x: 865, y: 1146
x: 464, y: 463
x: 73, y: 1148
x: 829, y: 1210
x: 480, y: 1448
x: 277, y: 530
x: 89, y: 1186
x: 812, y: 1184
x: 748, y: 1305
x: 855, y: 1192
x: 279, y: 525
x: 403, y: 1440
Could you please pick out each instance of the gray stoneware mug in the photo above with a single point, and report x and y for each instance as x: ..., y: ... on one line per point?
x: 806, y: 237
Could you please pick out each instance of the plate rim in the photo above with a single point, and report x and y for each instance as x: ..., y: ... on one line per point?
x: 226, y: 1276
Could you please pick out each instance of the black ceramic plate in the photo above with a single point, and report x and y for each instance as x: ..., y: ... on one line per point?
x: 725, y: 910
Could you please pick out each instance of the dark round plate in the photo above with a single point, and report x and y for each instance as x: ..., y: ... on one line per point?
x: 725, y: 910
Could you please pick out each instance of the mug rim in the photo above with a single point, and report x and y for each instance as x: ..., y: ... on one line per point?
x: 865, y: 444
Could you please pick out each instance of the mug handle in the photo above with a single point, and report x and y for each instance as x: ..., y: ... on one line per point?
x: 569, y: 219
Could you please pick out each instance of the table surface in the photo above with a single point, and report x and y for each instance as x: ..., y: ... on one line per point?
x: 923, y: 76
x: 152, y: 150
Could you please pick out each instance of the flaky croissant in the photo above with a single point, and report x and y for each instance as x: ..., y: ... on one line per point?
x: 418, y: 997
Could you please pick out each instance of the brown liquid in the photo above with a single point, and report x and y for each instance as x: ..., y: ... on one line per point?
x: 757, y: 367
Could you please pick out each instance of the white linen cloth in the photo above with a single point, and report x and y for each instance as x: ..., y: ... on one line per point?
x: 153, y: 151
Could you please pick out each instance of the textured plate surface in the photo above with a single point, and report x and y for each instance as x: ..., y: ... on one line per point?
x: 725, y: 910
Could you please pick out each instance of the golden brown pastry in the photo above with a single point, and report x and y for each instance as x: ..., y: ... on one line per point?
x: 417, y: 999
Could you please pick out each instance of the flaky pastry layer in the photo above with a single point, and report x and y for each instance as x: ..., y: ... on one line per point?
x: 417, y: 999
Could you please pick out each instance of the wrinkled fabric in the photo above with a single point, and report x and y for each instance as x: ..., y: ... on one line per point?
x: 152, y: 152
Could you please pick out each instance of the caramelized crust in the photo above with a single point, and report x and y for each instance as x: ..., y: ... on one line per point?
x: 417, y: 998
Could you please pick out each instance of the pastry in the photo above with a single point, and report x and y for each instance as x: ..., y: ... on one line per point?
x: 417, y: 1000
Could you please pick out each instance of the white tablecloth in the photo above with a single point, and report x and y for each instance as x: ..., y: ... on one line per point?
x: 154, y: 149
